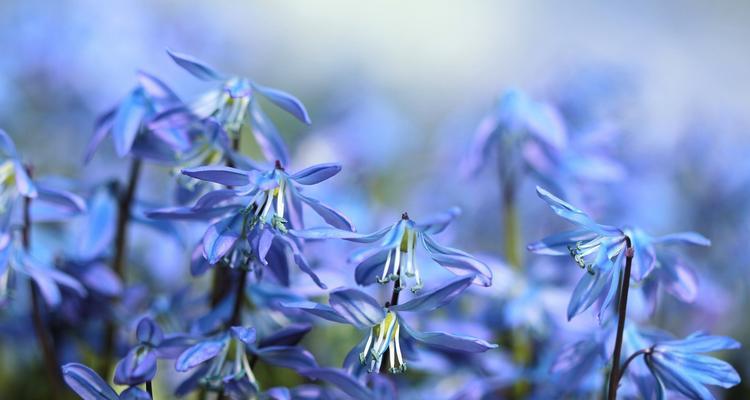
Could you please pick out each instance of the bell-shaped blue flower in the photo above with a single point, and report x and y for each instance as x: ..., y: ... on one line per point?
x: 234, y: 105
x: 394, y: 257
x: 386, y: 327
x: 128, y: 123
x: 599, y: 249
x: 681, y: 366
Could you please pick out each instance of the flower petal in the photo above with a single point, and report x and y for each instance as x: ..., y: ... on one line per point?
x: 286, y: 101
x: 99, y: 230
x: 557, y: 244
x: 458, y: 262
x: 87, y: 383
x: 219, y: 174
x: 220, y: 237
x: 292, y: 357
x: 149, y: 332
x: 196, y: 67
x: 448, y: 341
x: 316, y: 173
x: 436, y: 298
x: 574, y: 215
x: 319, y: 310
x: 357, y: 307
x: 339, y: 378
x: 438, y: 222
x: 683, y: 238
x: 267, y: 136
x: 333, y: 233
x: 127, y: 122
x: 245, y: 335
x: 329, y: 215
x: 199, y: 353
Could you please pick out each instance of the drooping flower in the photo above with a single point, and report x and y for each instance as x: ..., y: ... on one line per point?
x: 128, y: 123
x: 15, y: 185
x: 681, y: 366
x: 522, y: 128
x: 224, y: 365
x: 250, y: 225
x: 599, y: 249
x: 387, y: 329
x: 90, y: 386
x: 139, y: 365
x: 394, y: 258
x: 234, y: 105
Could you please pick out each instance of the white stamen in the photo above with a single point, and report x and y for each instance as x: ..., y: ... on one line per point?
x: 381, y: 336
x: 392, y: 355
x: 385, y: 267
x: 410, y: 253
x: 396, y: 261
x: 363, y: 355
x: 266, y: 206
x: 398, y: 345
x: 280, y: 199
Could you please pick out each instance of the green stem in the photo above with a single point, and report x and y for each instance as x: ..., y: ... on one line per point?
x: 512, y: 228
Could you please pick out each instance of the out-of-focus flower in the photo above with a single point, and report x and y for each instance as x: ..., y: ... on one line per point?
x: 384, y: 323
x: 90, y: 386
x: 394, y: 258
x: 679, y: 365
x: 234, y: 375
x: 234, y: 104
x: 599, y: 249
x: 128, y: 123
x: 15, y: 184
x: 139, y: 365
x: 516, y: 121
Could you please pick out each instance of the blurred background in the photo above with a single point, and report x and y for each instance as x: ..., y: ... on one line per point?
x: 395, y: 91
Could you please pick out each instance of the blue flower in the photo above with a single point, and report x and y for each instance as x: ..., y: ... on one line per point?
x: 234, y: 104
x: 233, y: 372
x: 394, y: 258
x: 90, y: 386
x: 128, y: 123
x: 13, y: 177
x: 385, y: 323
x: 599, y: 249
x: 139, y: 365
x: 516, y: 123
x: 250, y: 218
x: 679, y: 365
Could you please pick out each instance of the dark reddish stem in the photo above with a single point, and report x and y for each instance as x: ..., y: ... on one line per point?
x: 45, y: 341
x: 125, y: 203
x: 614, y: 376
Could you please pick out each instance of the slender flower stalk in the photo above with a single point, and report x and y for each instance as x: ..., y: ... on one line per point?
x: 40, y: 329
x: 125, y: 202
x: 614, y: 375
x: 149, y: 389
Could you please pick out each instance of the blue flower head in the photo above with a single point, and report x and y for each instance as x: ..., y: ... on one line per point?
x: 250, y: 218
x: 600, y: 250
x: 386, y: 327
x: 129, y: 123
x: 681, y: 366
x: 517, y: 122
x: 16, y: 184
x: 394, y: 257
x: 222, y: 360
x: 234, y: 105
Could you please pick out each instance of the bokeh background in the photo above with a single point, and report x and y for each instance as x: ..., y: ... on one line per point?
x: 395, y: 90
